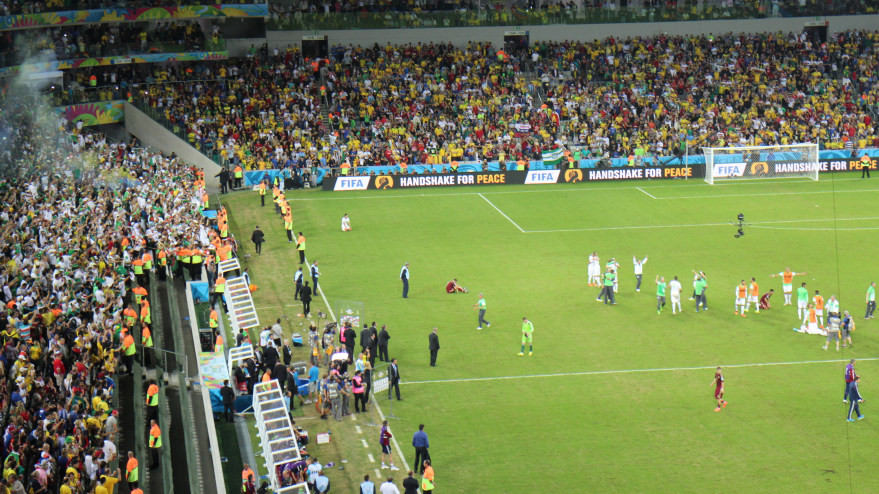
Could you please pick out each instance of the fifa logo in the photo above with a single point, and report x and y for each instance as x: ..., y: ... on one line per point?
x: 384, y: 183
x: 759, y: 168
x: 573, y: 175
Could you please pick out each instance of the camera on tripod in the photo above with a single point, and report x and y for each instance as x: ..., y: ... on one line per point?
x: 741, y: 224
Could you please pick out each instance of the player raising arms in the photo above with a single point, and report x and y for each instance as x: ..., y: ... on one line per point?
x: 741, y: 298
x: 787, y: 283
x: 718, y: 389
x: 753, y: 296
x: 593, y: 270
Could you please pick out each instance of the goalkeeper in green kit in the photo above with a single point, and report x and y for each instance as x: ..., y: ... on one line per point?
x: 527, y: 334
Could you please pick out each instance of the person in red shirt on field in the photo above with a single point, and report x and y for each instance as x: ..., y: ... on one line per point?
x: 764, y: 300
x: 453, y: 287
x: 718, y: 389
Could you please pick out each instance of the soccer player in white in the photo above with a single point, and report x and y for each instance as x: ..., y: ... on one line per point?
x: 741, y: 297
x: 346, y: 223
x: 675, y: 289
x: 615, y: 266
x: 594, y: 270
x: 753, y: 296
x: 787, y: 283
x: 639, y: 270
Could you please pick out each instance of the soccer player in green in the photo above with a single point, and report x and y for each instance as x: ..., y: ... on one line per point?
x: 480, y: 306
x: 660, y: 293
x: 802, y: 301
x: 527, y: 334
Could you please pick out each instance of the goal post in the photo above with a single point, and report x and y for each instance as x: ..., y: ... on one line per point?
x: 759, y: 162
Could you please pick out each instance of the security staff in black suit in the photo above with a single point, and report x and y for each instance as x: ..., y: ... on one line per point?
x: 383, y: 338
x: 404, y: 277
x: 228, y: 395
x: 364, y: 338
x: 394, y: 379
x: 258, y: 237
x: 305, y: 296
x: 434, y: 347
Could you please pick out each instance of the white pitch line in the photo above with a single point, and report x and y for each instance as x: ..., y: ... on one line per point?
x: 502, y: 213
x: 693, y: 225
x: 626, y: 371
x: 648, y: 193
x: 377, y: 407
x: 358, y: 429
x: 371, y: 458
x: 716, y: 196
x: 365, y: 445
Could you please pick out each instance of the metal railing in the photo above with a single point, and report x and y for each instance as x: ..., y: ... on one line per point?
x: 131, y: 49
x: 581, y: 15
x: 183, y: 380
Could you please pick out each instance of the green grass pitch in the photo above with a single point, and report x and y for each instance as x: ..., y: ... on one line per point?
x: 615, y: 398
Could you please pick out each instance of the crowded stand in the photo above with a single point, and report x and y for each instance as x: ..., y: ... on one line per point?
x: 371, y: 14
x: 103, y: 40
x: 14, y: 7
x: 81, y: 221
x: 437, y: 104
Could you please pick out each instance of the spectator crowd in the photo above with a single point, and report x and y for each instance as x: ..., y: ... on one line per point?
x: 102, y: 40
x: 436, y: 104
x: 80, y: 215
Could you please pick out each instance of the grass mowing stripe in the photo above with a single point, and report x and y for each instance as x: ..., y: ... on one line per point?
x: 627, y: 371
x: 502, y: 213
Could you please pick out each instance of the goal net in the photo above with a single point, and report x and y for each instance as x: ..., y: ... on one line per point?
x: 757, y: 162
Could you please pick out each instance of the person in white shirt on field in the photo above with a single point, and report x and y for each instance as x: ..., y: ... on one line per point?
x: 346, y: 223
x: 594, y: 270
x: 388, y: 487
x: 832, y: 306
x: 639, y: 270
x: 674, y: 287
x: 615, y: 266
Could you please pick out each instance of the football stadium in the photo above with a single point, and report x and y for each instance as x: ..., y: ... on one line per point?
x: 438, y: 246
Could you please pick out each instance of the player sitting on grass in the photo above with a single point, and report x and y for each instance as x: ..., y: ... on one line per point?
x: 453, y: 287
x: 764, y: 300
x: 810, y: 322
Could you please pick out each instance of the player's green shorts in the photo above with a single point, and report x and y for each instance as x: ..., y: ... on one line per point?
x: 527, y: 339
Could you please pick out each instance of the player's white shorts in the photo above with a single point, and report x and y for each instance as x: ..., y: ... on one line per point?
x: 591, y: 271
x: 752, y: 299
x: 802, y: 304
x: 812, y: 328
x: 787, y: 288
x: 675, y: 297
x: 819, y: 312
x: 740, y: 301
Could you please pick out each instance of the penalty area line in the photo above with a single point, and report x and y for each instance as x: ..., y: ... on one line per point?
x: 628, y: 371
x: 502, y: 213
x: 648, y: 193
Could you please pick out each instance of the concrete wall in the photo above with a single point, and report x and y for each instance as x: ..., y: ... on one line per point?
x: 561, y: 32
x: 158, y: 137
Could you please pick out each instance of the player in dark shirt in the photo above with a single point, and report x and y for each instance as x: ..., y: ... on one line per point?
x: 718, y: 389
x: 764, y: 300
